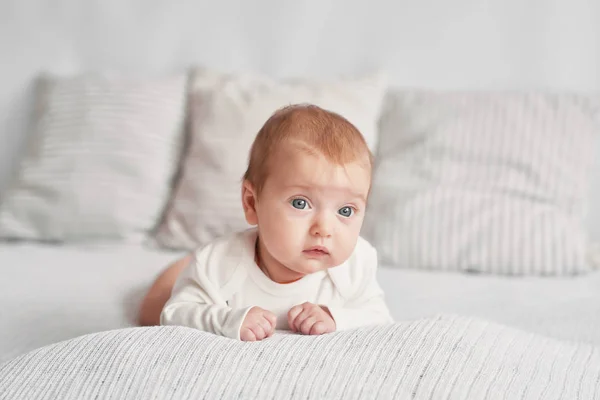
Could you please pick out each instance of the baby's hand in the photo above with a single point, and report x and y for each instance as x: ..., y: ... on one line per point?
x: 257, y: 325
x: 310, y: 319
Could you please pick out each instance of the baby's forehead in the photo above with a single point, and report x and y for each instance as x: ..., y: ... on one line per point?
x: 298, y: 151
x: 303, y: 168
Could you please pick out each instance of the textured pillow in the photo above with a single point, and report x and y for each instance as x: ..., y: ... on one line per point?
x: 101, y: 159
x: 442, y: 357
x: 484, y: 182
x: 226, y: 112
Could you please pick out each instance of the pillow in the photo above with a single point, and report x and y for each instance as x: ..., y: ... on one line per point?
x: 484, y: 182
x: 226, y: 113
x: 101, y: 159
x: 440, y: 357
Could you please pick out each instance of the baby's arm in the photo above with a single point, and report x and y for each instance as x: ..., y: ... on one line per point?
x: 197, y: 303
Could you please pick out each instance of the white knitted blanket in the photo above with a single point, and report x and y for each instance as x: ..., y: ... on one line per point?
x: 446, y: 357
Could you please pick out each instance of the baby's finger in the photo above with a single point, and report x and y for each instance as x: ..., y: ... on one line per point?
x: 271, y: 318
x: 292, y: 315
x: 247, y: 335
x: 266, y: 325
x: 307, y: 324
x: 306, y: 313
x: 318, y: 328
x: 259, y: 332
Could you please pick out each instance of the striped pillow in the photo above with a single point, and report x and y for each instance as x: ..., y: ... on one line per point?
x: 484, y: 182
x: 100, y: 161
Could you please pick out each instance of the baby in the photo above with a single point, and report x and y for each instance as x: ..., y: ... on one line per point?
x: 303, y: 267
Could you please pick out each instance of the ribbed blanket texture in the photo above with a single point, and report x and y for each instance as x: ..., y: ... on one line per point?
x: 445, y: 357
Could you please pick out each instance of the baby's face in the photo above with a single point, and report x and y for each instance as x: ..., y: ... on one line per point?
x: 310, y: 211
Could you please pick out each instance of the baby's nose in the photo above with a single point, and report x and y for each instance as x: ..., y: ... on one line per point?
x: 322, y: 227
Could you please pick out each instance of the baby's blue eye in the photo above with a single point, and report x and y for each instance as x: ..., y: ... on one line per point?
x: 346, y: 211
x: 300, y: 204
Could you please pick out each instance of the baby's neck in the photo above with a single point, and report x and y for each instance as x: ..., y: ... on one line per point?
x: 274, y: 270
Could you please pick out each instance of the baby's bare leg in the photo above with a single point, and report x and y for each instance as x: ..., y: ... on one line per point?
x: 160, y: 292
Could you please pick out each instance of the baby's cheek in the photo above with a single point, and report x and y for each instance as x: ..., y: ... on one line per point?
x: 282, y: 241
x: 293, y: 227
x: 347, y: 245
x: 279, y: 224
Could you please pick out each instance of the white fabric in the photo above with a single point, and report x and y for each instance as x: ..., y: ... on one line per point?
x: 593, y: 219
x: 101, y: 159
x: 565, y: 308
x: 222, y: 283
x: 226, y: 113
x: 436, y: 358
x: 53, y: 293
x: 494, y: 182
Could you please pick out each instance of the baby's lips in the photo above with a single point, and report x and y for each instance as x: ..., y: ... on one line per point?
x: 322, y: 249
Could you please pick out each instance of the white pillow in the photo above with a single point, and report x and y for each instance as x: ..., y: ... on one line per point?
x: 226, y: 113
x: 484, y: 182
x: 101, y: 159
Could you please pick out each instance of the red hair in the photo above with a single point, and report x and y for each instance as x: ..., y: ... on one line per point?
x: 312, y: 129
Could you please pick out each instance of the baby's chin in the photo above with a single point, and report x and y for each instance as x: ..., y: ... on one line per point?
x: 307, y: 267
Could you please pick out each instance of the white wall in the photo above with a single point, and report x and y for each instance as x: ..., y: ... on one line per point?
x: 428, y: 43
x: 438, y: 43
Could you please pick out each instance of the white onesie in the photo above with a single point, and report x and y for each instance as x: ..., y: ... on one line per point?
x: 222, y: 283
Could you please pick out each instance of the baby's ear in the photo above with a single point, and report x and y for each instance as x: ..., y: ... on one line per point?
x: 249, y: 202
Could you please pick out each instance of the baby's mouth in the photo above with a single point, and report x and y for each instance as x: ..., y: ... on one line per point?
x: 317, y: 251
